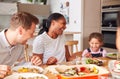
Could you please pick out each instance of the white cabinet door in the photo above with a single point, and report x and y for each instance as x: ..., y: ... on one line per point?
x: 75, y: 15
x: 75, y: 20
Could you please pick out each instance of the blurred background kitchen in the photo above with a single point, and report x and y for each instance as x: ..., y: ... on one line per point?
x: 83, y: 17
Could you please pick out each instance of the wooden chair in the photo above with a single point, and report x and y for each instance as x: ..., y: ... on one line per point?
x: 26, y: 55
x: 71, y: 44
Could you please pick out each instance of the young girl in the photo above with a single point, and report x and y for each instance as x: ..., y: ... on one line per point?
x: 95, y: 43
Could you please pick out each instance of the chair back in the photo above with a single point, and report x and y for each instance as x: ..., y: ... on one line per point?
x: 71, y: 44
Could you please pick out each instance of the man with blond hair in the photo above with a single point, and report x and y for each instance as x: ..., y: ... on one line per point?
x: 12, y: 40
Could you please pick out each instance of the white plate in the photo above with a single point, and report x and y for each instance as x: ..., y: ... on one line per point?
x: 112, y: 69
x: 26, y: 75
x: 109, y: 55
x: 53, y: 70
x: 27, y: 66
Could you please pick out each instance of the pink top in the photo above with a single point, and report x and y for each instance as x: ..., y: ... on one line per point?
x: 86, y: 51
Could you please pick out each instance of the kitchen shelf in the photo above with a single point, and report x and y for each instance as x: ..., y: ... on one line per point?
x: 36, y: 9
x: 110, y: 2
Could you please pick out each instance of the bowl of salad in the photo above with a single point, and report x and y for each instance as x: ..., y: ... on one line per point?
x: 112, y: 55
x: 95, y: 61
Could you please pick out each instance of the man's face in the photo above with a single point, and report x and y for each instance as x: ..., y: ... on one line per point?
x: 27, y: 34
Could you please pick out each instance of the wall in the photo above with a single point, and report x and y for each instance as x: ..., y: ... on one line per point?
x: 74, y: 16
x: 91, y: 20
x: 4, y: 21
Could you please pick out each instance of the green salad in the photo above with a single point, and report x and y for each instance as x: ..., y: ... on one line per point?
x: 112, y: 54
x: 94, y: 61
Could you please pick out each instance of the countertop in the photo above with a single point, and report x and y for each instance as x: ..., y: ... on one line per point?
x: 70, y: 32
x: 65, y: 32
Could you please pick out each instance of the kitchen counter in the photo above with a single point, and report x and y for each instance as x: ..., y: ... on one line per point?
x: 66, y: 33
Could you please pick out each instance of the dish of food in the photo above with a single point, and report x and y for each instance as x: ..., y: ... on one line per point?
x: 112, y: 55
x: 114, y: 67
x: 77, y: 71
x: 26, y: 76
x: 25, y: 69
x: 94, y: 61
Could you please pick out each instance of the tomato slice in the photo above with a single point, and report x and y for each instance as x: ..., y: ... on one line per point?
x: 82, y: 69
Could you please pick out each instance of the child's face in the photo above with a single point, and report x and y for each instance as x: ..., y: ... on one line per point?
x: 95, y: 44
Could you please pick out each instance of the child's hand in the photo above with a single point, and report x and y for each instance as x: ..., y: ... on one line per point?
x: 88, y: 55
x: 51, y: 60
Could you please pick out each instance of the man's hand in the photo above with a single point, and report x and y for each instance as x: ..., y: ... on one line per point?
x: 51, y: 61
x: 36, y: 60
x: 4, y: 70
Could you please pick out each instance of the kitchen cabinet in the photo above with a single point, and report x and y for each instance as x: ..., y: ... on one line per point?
x: 110, y: 2
x: 36, y: 9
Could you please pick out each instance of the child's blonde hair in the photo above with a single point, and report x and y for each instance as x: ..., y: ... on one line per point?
x: 96, y: 35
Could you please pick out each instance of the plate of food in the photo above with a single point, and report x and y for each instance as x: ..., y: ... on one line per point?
x: 112, y: 55
x: 26, y: 76
x: 27, y: 68
x: 90, y: 71
x: 96, y: 61
x: 114, y: 67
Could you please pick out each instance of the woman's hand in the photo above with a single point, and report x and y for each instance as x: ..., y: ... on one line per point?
x: 51, y: 61
x: 4, y: 70
x: 36, y: 60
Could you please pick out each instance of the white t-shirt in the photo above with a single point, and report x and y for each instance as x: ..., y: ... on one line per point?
x: 43, y: 44
x: 8, y: 54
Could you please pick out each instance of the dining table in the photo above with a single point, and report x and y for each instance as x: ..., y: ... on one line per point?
x: 78, y: 54
x: 72, y: 61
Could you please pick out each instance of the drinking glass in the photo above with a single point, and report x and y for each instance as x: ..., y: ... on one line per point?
x: 118, y: 56
x: 78, y: 60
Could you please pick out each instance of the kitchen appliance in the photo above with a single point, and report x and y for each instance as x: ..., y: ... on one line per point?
x: 109, y: 25
x: 109, y: 39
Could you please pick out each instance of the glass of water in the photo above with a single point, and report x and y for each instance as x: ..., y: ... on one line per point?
x: 118, y: 56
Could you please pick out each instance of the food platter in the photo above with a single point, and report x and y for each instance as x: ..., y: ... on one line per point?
x: 26, y: 76
x: 27, y: 68
x: 93, y: 73
x: 112, y: 55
